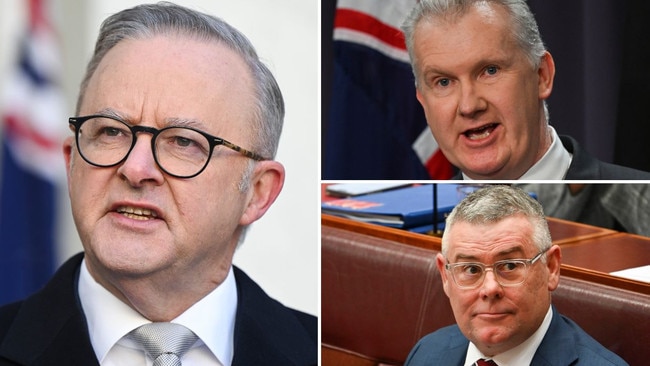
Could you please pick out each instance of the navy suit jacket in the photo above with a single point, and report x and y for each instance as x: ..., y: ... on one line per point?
x: 49, y: 328
x: 586, y: 167
x: 564, y: 344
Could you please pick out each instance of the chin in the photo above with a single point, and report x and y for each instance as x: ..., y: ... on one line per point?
x: 130, y: 257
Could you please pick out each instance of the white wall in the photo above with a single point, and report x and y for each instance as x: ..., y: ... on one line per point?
x: 281, y: 251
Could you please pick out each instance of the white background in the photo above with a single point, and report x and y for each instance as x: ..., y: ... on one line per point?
x: 281, y: 251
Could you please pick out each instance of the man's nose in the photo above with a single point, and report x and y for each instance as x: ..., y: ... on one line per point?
x: 140, y: 166
x: 491, y: 288
x: 470, y: 100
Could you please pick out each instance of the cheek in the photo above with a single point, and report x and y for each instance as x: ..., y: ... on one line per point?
x: 87, y: 185
x: 208, y: 207
x: 461, y: 303
x: 440, y: 114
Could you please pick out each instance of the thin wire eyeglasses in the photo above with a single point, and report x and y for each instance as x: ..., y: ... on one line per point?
x: 179, y: 151
x: 508, y: 273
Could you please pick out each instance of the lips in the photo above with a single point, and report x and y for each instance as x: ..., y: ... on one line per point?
x: 137, y: 213
x: 480, y: 132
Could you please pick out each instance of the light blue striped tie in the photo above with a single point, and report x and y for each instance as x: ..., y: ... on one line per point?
x: 164, y: 343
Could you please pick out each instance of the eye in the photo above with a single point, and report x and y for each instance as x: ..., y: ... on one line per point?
x: 491, y: 70
x: 183, y: 142
x: 444, y: 82
x: 111, y: 131
x: 509, y: 266
x: 471, y: 269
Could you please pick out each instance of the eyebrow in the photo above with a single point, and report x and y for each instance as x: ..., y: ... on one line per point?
x: 185, y: 122
x: 110, y: 112
x: 503, y: 253
x: 172, y: 121
x: 503, y: 61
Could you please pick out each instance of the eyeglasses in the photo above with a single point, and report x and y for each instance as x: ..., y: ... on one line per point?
x: 509, y: 272
x: 181, y: 152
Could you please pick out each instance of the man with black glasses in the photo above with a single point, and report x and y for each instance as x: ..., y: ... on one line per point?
x: 498, y: 268
x: 177, y: 125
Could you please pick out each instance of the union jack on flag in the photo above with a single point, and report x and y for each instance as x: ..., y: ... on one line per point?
x: 33, y: 128
x: 377, y: 129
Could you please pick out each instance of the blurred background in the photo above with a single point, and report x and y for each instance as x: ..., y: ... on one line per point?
x: 41, y: 65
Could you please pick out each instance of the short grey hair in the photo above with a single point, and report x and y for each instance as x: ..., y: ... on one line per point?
x: 523, y: 25
x: 164, y: 18
x: 495, y: 203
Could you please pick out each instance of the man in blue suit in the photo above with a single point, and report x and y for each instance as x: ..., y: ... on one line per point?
x: 177, y: 125
x: 499, y: 268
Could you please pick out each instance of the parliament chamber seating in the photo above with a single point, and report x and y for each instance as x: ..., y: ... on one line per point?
x: 380, y: 296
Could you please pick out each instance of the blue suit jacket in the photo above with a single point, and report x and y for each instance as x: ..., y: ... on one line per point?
x: 565, y: 343
x: 49, y: 328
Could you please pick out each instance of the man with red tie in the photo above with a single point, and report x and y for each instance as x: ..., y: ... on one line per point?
x: 499, y: 267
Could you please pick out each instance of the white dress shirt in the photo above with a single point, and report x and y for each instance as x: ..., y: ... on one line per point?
x: 522, y: 354
x: 212, y: 319
x: 552, y: 166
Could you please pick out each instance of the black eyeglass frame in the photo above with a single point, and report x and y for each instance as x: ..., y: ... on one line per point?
x: 526, y: 262
x: 213, y: 141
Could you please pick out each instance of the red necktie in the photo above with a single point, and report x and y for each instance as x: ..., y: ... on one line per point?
x: 484, y: 362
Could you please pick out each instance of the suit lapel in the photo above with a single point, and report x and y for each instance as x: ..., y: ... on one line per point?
x: 267, y: 333
x: 558, y: 346
x: 50, y: 328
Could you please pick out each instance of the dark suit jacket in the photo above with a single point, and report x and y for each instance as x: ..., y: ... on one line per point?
x: 564, y: 344
x: 586, y: 167
x: 49, y: 328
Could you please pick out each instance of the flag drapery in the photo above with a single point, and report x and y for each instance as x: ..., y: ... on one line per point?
x: 376, y: 129
x: 32, y: 111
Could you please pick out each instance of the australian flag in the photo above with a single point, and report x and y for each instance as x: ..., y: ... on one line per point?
x: 33, y: 126
x: 377, y: 128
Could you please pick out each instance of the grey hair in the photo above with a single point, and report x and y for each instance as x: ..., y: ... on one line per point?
x: 524, y: 28
x: 495, y: 203
x: 164, y: 18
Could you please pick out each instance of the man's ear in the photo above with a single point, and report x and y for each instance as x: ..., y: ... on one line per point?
x: 68, y: 145
x: 266, y: 183
x: 553, y: 262
x: 546, y: 74
x: 440, y: 263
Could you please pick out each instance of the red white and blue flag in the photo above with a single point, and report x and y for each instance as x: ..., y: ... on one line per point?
x: 377, y: 128
x: 33, y: 127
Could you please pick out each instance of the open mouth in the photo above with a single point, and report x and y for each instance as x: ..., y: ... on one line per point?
x: 481, y: 132
x: 137, y: 213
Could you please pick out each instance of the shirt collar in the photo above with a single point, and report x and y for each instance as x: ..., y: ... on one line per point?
x: 552, y: 166
x: 109, y: 319
x: 522, y: 354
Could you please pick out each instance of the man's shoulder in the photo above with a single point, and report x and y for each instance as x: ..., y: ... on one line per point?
x: 586, y: 167
x: 445, y: 346
x: 43, y: 328
x: 8, y: 313
x: 590, y: 351
x: 450, y: 333
x: 566, y: 341
x: 267, y: 332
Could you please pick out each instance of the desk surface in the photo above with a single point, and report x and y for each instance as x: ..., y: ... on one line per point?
x: 588, y: 252
x: 608, y: 253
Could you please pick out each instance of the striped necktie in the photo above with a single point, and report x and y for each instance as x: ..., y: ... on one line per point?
x: 484, y: 362
x: 164, y: 343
